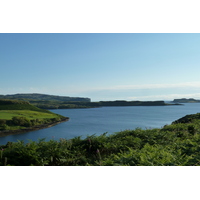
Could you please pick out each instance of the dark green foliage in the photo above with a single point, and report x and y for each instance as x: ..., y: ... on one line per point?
x: 191, y: 129
x: 4, y: 127
x: 2, y: 122
x: 187, y: 118
x: 21, y: 121
x: 18, y: 122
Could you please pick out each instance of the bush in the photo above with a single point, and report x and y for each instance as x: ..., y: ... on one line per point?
x: 21, y: 121
x: 2, y: 122
x: 4, y: 127
x: 191, y: 129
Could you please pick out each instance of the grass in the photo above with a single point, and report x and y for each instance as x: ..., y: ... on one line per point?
x: 15, y: 115
x: 9, y: 114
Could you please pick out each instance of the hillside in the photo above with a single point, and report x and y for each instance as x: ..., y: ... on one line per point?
x: 20, y: 116
x: 18, y: 105
x: 46, y: 97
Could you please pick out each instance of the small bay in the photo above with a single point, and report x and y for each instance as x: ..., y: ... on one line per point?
x: 84, y: 122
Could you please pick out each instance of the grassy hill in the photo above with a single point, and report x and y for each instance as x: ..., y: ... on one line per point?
x: 18, y: 115
x: 18, y: 105
x: 173, y: 145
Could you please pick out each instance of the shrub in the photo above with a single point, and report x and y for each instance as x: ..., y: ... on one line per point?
x: 4, y: 127
x: 191, y: 129
x: 21, y: 121
x: 2, y: 122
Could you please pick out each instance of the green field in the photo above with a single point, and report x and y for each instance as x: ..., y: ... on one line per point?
x: 29, y: 114
x: 17, y: 115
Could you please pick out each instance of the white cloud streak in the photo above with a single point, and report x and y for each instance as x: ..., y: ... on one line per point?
x: 156, y: 86
x: 119, y: 88
x: 73, y: 90
x: 166, y: 97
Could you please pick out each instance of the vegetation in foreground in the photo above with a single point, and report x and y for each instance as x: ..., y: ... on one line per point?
x: 177, y: 144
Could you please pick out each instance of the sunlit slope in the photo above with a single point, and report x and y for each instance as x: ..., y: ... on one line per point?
x: 15, y: 115
x: 29, y: 114
x: 18, y: 105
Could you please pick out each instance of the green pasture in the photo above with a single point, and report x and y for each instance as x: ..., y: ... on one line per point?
x: 9, y: 114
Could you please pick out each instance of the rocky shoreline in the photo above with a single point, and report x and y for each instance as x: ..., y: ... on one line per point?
x: 42, y: 126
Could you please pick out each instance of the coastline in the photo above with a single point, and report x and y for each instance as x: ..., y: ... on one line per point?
x: 101, y: 106
x: 34, y: 128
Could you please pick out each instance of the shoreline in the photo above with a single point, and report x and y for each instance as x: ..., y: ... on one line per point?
x: 61, y: 108
x: 38, y: 127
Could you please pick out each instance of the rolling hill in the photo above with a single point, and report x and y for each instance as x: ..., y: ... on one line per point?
x: 36, y: 96
x: 19, y: 116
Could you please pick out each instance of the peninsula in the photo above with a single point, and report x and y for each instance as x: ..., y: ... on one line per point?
x: 20, y: 116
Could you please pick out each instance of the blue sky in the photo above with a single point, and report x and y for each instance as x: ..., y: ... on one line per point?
x: 102, y: 66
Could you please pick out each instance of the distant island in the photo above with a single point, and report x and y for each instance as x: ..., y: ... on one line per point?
x: 184, y: 100
x: 45, y: 101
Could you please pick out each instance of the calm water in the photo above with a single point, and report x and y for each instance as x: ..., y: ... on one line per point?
x: 97, y: 121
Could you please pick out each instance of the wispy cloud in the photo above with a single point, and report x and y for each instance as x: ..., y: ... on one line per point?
x: 165, y: 97
x: 154, y: 86
x: 120, y: 91
x: 72, y: 89
x: 24, y: 90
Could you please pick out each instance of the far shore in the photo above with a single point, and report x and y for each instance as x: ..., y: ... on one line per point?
x: 12, y: 132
